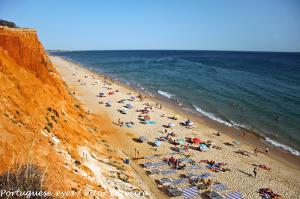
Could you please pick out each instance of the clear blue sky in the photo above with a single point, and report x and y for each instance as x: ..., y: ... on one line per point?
x: 257, y: 25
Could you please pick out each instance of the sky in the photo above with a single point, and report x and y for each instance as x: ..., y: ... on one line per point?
x: 253, y: 25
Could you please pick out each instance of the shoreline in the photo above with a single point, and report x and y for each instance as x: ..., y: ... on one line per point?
x: 285, y: 167
x: 250, y: 138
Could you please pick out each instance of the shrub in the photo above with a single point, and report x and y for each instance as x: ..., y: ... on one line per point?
x: 26, y: 178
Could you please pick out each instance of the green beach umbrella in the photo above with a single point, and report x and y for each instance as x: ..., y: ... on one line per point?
x: 180, y: 141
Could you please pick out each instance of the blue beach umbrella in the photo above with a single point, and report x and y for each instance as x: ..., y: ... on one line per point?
x: 157, y: 143
x: 203, y: 147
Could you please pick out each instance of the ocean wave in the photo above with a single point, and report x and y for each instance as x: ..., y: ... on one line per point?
x: 282, y: 146
x: 243, y: 126
x: 212, y: 116
x: 166, y: 94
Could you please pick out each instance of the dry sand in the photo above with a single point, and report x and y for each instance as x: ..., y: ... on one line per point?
x: 282, y: 179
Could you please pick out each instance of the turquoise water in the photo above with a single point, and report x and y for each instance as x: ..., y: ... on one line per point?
x: 252, y: 90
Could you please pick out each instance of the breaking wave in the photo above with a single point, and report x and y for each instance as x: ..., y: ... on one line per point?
x: 166, y: 94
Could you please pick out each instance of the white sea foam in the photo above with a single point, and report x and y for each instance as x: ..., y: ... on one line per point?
x: 166, y: 94
x: 244, y: 126
x: 282, y: 146
x: 212, y: 116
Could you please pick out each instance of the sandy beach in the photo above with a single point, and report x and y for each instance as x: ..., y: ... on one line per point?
x: 85, y: 85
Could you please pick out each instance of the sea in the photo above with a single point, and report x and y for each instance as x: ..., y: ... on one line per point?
x: 255, y: 91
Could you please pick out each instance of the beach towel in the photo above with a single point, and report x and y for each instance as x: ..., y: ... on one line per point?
x: 175, y: 192
x: 235, y: 195
x: 190, y: 192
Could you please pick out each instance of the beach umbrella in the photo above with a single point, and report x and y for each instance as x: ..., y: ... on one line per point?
x: 129, y: 106
x: 142, y: 139
x: 146, y: 117
x: 157, y: 143
x: 180, y: 141
x: 196, y: 140
x: 171, y: 125
x: 203, y: 147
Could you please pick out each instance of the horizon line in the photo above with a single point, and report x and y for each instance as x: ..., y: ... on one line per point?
x: 174, y: 50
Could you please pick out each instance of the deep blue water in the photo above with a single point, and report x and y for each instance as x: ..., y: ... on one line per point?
x: 255, y: 90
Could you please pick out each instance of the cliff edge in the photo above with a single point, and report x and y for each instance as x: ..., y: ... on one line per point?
x: 46, y: 134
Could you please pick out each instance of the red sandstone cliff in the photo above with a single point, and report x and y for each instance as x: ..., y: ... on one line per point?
x: 41, y: 124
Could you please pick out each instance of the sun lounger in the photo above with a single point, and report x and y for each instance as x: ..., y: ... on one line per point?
x: 158, y: 164
x: 180, y: 160
x: 175, y: 192
x: 169, y: 171
x: 190, y: 175
x: 193, y: 167
x: 213, y: 195
x: 154, y: 171
x: 197, y: 177
x: 179, y: 181
x: 235, y: 195
x: 204, y: 175
x: 165, y: 181
x: 151, y: 156
x: 155, y: 164
x: 219, y: 187
x: 148, y: 164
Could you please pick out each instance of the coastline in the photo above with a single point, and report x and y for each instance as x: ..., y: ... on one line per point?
x: 249, y: 141
x: 250, y: 138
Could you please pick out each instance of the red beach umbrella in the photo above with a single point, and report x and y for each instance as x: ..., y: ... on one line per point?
x: 147, y: 117
x: 196, y: 140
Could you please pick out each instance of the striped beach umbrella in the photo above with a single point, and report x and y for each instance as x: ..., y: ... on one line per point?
x: 235, y: 195
x: 190, y: 192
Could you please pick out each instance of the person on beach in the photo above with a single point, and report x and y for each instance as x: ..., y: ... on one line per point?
x: 187, y: 148
x: 255, y: 151
x: 267, y: 150
x: 255, y: 172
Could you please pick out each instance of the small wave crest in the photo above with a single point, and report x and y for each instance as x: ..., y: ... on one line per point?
x: 212, y: 116
x: 166, y: 94
x: 243, y: 126
x: 282, y: 146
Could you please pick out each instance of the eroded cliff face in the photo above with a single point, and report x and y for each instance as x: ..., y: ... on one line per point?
x: 42, y: 124
x: 25, y: 49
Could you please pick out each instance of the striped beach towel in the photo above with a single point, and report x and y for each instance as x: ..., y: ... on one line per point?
x: 190, y: 192
x: 235, y: 195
